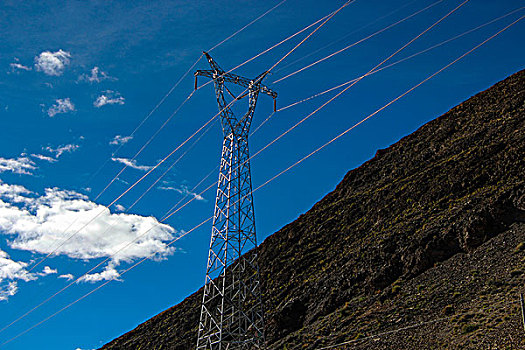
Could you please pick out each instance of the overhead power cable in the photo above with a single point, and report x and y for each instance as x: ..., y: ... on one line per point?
x: 274, y: 177
x: 325, y: 103
x: 246, y: 26
x: 360, y: 78
x: 357, y: 42
x: 345, y: 36
x: 329, y: 101
x: 169, y: 93
x: 325, y: 19
x: 398, y: 61
x: 162, y: 161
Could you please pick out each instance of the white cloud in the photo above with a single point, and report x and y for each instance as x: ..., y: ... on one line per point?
x: 10, y: 269
x: 109, y: 273
x: 61, y: 106
x: 20, y: 165
x: 120, y: 207
x: 52, y: 63
x: 48, y: 271
x: 132, y: 163
x: 120, y: 140
x: 8, y: 289
x: 95, y: 76
x: 62, y: 149
x: 68, y: 276
x: 40, y: 224
x: 10, y: 272
x: 14, y: 193
x: 184, y: 190
x: 109, y: 98
x: 42, y: 157
x: 17, y: 66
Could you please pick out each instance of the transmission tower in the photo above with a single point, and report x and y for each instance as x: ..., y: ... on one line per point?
x: 232, y: 312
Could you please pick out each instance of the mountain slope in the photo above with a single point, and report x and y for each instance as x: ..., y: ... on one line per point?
x: 432, y: 227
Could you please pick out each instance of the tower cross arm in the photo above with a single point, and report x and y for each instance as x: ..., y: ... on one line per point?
x: 237, y: 79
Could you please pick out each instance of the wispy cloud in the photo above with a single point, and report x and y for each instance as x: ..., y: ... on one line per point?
x: 52, y: 63
x: 67, y: 276
x: 17, y: 66
x: 96, y: 76
x: 20, y: 165
x: 184, y: 190
x: 132, y: 163
x: 43, y: 157
x: 109, y: 97
x: 61, y: 106
x: 62, y: 149
x: 120, y: 140
x: 120, y: 207
x: 10, y: 273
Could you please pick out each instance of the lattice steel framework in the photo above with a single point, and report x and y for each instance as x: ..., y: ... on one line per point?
x: 231, y: 312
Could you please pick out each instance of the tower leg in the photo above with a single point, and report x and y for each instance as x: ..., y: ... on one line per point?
x: 231, y: 313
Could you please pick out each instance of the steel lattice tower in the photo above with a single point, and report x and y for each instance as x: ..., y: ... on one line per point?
x: 232, y: 312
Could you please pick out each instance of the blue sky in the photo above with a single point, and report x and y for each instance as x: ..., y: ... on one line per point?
x: 77, y: 77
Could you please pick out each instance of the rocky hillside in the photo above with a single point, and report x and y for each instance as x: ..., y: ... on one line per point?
x: 426, y: 240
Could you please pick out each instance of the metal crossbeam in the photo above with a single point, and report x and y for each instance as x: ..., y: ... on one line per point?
x: 231, y: 312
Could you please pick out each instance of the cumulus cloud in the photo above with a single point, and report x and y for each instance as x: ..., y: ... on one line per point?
x: 109, y: 273
x: 20, y: 165
x: 132, y: 163
x: 109, y: 97
x: 40, y: 224
x: 184, y: 190
x: 17, y: 66
x: 95, y: 76
x: 62, y: 149
x: 14, y: 193
x: 52, y: 63
x: 61, y: 106
x: 10, y: 273
x: 120, y: 140
x: 48, y: 271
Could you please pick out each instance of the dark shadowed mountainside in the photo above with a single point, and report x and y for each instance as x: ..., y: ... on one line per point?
x: 430, y: 232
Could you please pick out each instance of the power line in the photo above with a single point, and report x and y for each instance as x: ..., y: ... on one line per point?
x: 160, y: 162
x: 246, y: 26
x: 267, y: 182
x: 319, y: 107
x: 359, y: 79
x: 346, y: 36
x: 183, y: 143
x: 393, y: 101
x: 304, y: 158
x: 357, y: 42
x: 401, y: 60
x: 161, y: 101
x: 344, y: 84
x: 279, y: 174
x: 285, y: 132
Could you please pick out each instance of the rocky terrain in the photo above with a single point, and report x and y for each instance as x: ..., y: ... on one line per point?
x: 422, y: 247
